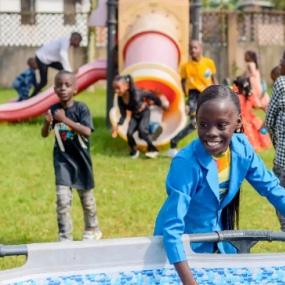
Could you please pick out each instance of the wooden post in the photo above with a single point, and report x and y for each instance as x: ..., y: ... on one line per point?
x: 232, y: 43
x: 91, y: 52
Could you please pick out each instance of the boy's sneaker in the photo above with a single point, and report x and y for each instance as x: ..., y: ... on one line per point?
x: 152, y: 154
x: 63, y: 239
x: 136, y: 155
x: 92, y: 235
x: 157, y: 133
x: 172, y: 152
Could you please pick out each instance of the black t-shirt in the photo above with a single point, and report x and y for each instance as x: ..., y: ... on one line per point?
x: 71, y: 155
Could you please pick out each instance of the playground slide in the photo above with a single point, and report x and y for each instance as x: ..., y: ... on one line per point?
x: 152, y: 47
x: 21, y: 111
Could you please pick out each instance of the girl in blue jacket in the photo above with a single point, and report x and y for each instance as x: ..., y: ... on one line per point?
x: 204, y: 180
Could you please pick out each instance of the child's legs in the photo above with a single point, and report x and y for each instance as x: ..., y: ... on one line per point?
x: 193, y: 96
x: 143, y: 129
x: 21, y: 93
x: 64, y: 199
x: 56, y: 65
x: 153, y: 127
x: 133, y: 125
x: 89, y: 209
x: 280, y: 173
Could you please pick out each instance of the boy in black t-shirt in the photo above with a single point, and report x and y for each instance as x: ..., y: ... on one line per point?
x: 72, y: 125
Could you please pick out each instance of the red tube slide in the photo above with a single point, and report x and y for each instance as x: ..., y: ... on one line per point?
x: 87, y: 75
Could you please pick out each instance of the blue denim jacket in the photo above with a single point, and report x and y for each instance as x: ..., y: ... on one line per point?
x: 193, y: 204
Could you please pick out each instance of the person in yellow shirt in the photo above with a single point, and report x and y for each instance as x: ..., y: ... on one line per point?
x: 196, y: 75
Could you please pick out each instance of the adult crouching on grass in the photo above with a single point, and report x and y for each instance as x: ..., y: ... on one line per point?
x: 55, y: 54
x: 132, y: 99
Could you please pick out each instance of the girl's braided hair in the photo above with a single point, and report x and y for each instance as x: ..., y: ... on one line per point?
x: 230, y: 214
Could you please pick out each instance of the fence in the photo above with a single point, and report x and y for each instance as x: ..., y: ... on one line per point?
x: 262, y: 28
x: 36, y: 29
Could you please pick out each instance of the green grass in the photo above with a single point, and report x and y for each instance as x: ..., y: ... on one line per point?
x: 129, y: 193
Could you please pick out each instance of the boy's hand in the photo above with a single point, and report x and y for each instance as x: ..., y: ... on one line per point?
x: 48, y: 117
x: 59, y: 115
x: 115, y: 132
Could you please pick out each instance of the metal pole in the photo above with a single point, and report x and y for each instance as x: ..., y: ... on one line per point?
x: 196, y: 19
x: 13, y: 250
x: 111, y: 24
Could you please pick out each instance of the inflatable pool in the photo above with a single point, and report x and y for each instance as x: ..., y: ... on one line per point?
x: 133, y: 261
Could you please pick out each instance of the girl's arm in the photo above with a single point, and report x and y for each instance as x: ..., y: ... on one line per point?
x: 265, y: 182
x: 181, y: 185
x: 185, y: 273
x: 273, y: 107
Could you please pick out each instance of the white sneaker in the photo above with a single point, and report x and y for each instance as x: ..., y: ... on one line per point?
x: 92, y: 235
x: 172, y: 152
x: 152, y: 154
x: 136, y: 155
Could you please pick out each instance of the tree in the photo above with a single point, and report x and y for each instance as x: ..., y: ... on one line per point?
x: 279, y: 4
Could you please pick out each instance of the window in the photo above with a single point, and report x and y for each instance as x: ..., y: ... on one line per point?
x: 28, y: 16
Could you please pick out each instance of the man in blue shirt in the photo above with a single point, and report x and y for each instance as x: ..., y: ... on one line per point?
x: 25, y: 80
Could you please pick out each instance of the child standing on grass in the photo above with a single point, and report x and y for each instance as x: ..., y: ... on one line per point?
x: 196, y: 75
x: 275, y: 123
x: 253, y: 126
x: 261, y: 96
x: 72, y: 125
x: 24, y: 82
x: 204, y: 180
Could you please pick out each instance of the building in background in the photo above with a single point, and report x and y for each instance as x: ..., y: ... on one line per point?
x: 36, y: 22
x: 43, y: 6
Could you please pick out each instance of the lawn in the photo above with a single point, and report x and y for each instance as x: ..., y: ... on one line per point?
x: 129, y: 193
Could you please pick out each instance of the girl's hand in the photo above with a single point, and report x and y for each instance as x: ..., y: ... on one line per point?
x: 48, y: 117
x: 59, y: 115
x: 115, y: 132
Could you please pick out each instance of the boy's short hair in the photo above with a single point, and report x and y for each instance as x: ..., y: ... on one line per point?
x: 76, y: 34
x: 30, y: 60
x: 276, y: 69
x: 62, y: 72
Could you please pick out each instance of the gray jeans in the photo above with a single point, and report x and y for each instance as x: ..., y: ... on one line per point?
x: 64, y: 199
x: 280, y: 173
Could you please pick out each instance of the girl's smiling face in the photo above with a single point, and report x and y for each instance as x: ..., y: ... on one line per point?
x: 217, y: 121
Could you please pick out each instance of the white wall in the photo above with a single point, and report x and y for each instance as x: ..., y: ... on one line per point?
x: 49, y: 6
x: 42, y: 6
x: 10, y: 6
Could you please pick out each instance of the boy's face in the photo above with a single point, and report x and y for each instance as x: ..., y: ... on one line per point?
x: 195, y: 50
x: 75, y: 41
x: 282, y: 64
x: 65, y: 87
x: 33, y: 64
x: 274, y: 76
x: 217, y: 121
